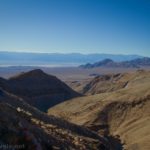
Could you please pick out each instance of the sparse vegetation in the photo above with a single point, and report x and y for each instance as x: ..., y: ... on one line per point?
x: 120, y: 113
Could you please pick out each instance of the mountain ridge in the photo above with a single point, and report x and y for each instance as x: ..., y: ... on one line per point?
x: 38, y: 88
x: 135, y: 63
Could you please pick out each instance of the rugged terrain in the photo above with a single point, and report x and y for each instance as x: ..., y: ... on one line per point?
x: 38, y: 88
x: 104, y: 83
x: 111, y: 113
x: 25, y: 127
x: 118, y: 110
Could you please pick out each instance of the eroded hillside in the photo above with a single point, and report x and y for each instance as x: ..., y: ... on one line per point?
x: 106, y: 82
x: 121, y: 110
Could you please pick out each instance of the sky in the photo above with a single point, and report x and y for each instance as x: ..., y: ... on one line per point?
x: 75, y: 26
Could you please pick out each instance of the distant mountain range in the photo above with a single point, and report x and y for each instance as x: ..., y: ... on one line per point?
x: 57, y: 59
x: 135, y: 63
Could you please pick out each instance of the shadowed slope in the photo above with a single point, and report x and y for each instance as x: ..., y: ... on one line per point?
x: 38, y: 89
x: 23, y: 124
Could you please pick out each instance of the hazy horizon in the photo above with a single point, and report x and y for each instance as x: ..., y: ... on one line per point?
x: 58, y: 59
x: 66, y: 53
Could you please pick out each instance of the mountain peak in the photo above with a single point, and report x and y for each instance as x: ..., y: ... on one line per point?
x: 39, y: 89
x: 36, y: 73
x: 106, y: 61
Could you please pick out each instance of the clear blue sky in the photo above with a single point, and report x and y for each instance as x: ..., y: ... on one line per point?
x: 66, y: 26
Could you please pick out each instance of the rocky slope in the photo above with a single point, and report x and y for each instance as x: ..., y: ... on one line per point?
x: 118, y: 113
x: 24, y: 126
x: 38, y: 89
x: 108, y: 82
